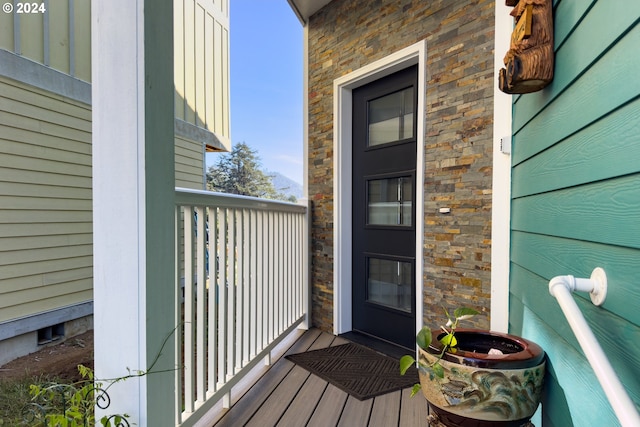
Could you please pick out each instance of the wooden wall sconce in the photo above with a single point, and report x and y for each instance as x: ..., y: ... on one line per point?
x: 529, y: 61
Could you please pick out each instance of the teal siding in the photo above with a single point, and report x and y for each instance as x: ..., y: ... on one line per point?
x: 576, y: 204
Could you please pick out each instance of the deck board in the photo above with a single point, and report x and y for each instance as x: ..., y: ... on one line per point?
x: 329, y: 409
x: 279, y: 400
x: 386, y: 410
x: 356, y: 412
x: 287, y: 395
x: 413, y: 410
x: 300, y: 410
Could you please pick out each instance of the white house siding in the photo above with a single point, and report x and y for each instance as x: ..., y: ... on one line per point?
x: 45, y: 201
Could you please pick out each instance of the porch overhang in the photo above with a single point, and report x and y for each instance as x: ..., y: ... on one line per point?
x: 305, y: 8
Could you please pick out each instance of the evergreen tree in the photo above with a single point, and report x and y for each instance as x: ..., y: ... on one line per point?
x: 239, y: 172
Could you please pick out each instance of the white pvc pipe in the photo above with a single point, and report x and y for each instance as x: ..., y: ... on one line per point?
x: 561, y: 287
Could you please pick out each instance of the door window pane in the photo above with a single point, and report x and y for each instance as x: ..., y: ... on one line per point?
x: 391, y: 118
x: 390, y: 283
x: 389, y: 201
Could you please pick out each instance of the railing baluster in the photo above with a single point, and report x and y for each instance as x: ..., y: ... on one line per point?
x: 283, y: 272
x: 222, y: 297
x: 303, y: 238
x: 213, y: 303
x: 291, y: 236
x: 290, y: 242
x: 239, y: 315
x: 231, y: 293
x: 297, y: 265
x: 279, y: 281
x: 178, y: 317
x: 253, y: 310
x: 189, y: 315
x: 298, y: 239
x: 274, y: 280
x: 280, y: 276
x: 272, y: 271
x: 201, y: 287
x: 261, y: 322
x: 246, y: 286
x: 285, y: 269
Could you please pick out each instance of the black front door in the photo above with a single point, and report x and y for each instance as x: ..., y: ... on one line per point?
x: 384, y: 186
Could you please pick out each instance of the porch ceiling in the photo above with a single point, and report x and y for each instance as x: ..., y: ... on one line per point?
x: 305, y: 8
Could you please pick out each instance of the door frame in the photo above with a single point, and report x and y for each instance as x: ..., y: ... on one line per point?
x: 342, y: 176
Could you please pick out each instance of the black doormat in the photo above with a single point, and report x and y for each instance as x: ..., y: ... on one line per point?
x: 357, y: 370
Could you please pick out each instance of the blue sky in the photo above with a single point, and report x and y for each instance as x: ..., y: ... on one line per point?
x: 266, y: 83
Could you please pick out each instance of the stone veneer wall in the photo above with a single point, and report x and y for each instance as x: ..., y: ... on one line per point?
x: 348, y: 34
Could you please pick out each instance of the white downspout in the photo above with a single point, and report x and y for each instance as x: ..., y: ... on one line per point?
x: 561, y: 287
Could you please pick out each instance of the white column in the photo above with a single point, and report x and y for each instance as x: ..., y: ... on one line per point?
x: 133, y: 204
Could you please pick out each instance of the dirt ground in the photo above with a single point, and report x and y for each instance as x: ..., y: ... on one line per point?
x: 56, y: 361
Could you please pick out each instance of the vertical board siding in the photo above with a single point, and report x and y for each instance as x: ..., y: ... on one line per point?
x: 201, y: 51
x: 81, y: 22
x: 59, y: 41
x: 6, y: 31
x: 188, y: 91
x: 576, y: 204
x: 178, y: 52
x: 45, y: 201
x: 48, y: 38
x: 32, y: 36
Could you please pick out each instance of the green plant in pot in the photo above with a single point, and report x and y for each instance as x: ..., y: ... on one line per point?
x: 474, y: 377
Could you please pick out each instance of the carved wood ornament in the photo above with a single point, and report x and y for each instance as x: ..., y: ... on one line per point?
x: 529, y: 61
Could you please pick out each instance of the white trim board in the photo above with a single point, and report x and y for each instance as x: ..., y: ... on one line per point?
x: 24, y: 70
x: 23, y: 325
x: 501, y: 181
x: 342, y: 171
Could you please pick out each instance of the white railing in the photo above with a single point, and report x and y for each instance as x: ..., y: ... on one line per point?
x: 242, y: 274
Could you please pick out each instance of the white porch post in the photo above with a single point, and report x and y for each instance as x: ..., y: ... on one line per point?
x: 133, y: 204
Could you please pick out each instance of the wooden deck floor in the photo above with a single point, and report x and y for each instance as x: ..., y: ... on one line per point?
x: 284, y: 394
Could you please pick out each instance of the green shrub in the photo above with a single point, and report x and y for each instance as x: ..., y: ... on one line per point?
x: 56, y: 404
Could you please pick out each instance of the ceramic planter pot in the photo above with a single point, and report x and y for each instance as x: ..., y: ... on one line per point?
x: 481, y: 389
